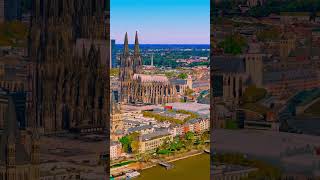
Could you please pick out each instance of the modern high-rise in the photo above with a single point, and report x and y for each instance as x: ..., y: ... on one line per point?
x: 114, y: 62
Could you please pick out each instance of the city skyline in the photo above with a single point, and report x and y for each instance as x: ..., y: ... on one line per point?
x: 161, y: 26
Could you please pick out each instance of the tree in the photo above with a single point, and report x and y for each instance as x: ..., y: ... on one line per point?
x: 166, y: 143
x: 190, y: 136
x: 146, y: 157
x: 114, y: 72
x: 130, y: 142
x: 135, y: 146
x: 126, y: 144
x: 183, y: 76
x: 204, y: 137
x: 233, y: 44
x: 170, y: 74
x: 188, y: 92
x: 253, y: 94
x: 189, y: 144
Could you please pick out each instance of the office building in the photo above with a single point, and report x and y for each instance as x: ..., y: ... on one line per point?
x: 114, y: 61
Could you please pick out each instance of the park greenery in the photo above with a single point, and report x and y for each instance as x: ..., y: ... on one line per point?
x: 264, y: 170
x: 158, y: 60
x: 191, y: 114
x: 162, y: 118
x: 194, y: 64
x: 170, y: 74
x: 169, y: 59
x: 130, y: 143
x: 114, y: 71
x: 122, y: 164
x: 233, y: 44
x: 179, y: 144
x: 183, y: 76
x: 186, y: 143
x: 13, y: 33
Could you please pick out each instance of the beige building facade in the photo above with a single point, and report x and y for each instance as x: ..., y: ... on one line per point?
x: 150, y: 142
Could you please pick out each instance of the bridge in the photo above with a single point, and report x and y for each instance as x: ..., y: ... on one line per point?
x: 300, y: 109
x: 166, y: 164
x: 290, y: 108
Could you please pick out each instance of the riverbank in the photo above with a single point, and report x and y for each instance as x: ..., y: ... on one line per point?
x: 196, y: 166
x: 143, y: 166
x: 171, y: 158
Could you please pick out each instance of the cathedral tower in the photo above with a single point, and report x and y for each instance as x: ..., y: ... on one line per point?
x: 126, y: 71
x: 14, y: 155
x: 65, y: 44
x: 137, y: 60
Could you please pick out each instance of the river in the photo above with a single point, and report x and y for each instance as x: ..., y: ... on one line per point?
x: 196, y: 167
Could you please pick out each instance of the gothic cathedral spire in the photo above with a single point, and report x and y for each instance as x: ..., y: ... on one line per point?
x: 136, y: 45
x: 137, y: 65
x: 126, y: 45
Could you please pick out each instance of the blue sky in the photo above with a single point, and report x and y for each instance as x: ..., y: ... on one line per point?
x: 161, y: 21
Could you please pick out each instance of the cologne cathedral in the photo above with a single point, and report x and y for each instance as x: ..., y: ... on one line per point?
x: 19, y: 148
x: 139, y: 88
x: 68, y: 45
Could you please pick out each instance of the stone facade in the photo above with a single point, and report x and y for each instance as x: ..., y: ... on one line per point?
x: 116, y: 121
x: 70, y: 74
x: 150, y: 142
x: 139, y: 88
x: 19, y: 149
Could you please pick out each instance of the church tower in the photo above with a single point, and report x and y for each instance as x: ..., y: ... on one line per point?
x: 115, y: 119
x: 66, y: 43
x: 126, y: 71
x: 189, y: 81
x: 137, y: 60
